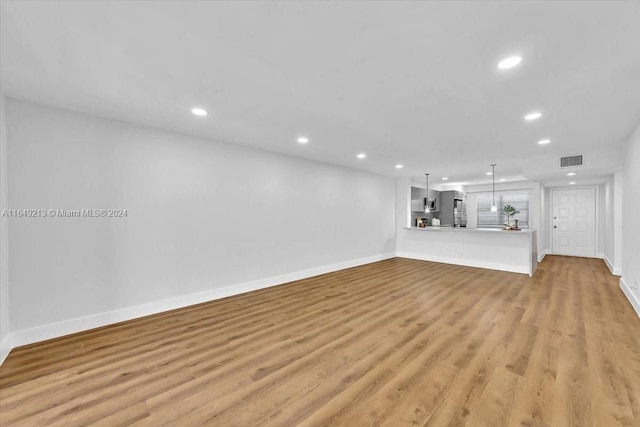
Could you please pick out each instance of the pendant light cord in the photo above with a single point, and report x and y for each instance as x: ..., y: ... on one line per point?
x: 493, y: 180
x: 426, y: 199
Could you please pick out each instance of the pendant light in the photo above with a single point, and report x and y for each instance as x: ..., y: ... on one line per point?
x: 494, y: 208
x: 426, y: 199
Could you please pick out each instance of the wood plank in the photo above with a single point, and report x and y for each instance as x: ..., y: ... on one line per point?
x: 397, y: 342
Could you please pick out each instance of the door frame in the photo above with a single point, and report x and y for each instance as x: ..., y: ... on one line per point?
x: 597, y: 213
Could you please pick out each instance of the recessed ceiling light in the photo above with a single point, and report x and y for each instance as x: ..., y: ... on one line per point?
x: 361, y: 156
x: 572, y: 183
x: 510, y: 62
x: 571, y: 174
x: 303, y: 140
x: 544, y: 141
x: 199, y: 112
x: 399, y: 166
x: 503, y: 179
x: 533, y: 116
x: 444, y: 178
x: 489, y: 173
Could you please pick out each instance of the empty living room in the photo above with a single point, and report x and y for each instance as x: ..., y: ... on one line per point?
x: 319, y: 213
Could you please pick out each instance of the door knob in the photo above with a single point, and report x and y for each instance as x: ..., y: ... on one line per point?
x: 555, y: 226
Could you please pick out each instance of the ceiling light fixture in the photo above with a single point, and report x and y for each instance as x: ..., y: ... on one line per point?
x: 361, y: 156
x: 426, y: 199
x: 571, y: 174
x: 494, y: 208
x: 399, y: 166
x: 544, y: 141
x: 532, y: 116
x: 444, y: 178
x: 199, y: 112
x: 489, y: 173
x: 503, y: 179
x: 572, y: 183
x: 510, y: 62
x: 303, y: 140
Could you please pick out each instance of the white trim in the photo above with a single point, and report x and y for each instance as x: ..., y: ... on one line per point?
x: 612, y: 268
x: 633, y: 299
x: 608, y: 263
x: 542, y: 255
x: 466, y: 263
x: 5, y: 347
x: 79, y: 324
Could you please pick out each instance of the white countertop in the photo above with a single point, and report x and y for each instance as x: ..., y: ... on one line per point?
x: 469, y: 230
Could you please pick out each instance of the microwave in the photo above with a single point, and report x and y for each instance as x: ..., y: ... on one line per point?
x: 431, y: 203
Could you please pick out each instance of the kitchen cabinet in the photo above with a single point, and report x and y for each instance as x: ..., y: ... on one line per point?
x: 417, y: 199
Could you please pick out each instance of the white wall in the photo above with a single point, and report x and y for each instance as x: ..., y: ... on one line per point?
x: 602, y: 228
x: 630, y: 225
x: 492, y: 249
x: 606, y: 196
x: 618, y: 208
x: 4, y: 236
x: 403, y: 203
x: 545, y: 217
x: 202, y: 215
x: 611, y: 199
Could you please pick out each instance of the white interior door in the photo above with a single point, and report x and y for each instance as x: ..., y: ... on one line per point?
x: 574, y: 222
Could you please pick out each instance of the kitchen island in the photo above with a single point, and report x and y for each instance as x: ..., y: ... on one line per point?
x: 492, y: 248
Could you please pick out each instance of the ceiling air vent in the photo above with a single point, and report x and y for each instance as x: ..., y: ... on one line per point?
x: 569, y: 161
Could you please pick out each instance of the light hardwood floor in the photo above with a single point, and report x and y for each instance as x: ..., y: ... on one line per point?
x: 398, y: 342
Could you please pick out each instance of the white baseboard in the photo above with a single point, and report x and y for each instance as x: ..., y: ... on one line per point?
x: 467, y: 263
x: 612, y: 268
x: 633, y: 299
x: 5, y: 347
x: 79, y: 324
x: 608, y: 263
x: 542, y: 254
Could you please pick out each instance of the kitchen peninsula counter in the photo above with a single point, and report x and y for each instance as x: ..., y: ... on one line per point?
x: 492, y: 248
x: 471, y: 230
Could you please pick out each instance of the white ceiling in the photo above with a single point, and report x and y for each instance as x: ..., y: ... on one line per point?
x: 406, y: 82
